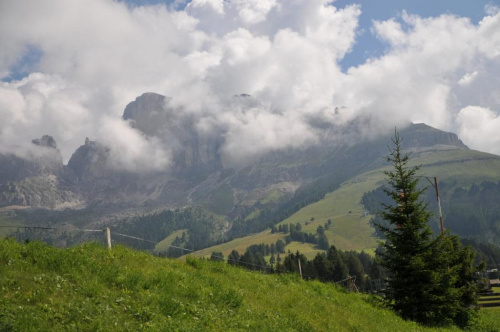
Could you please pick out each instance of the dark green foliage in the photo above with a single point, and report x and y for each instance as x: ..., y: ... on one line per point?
x: 233, y: 257
x: 155, y: 227
x: 355, y: 268
x: 302, y: 236
x: 486, y: 252
x: 431, y: 280
x: 217, y: 256
x: 334, y: 266
x: 320, y: 230
x: 253, y: 258
x: 474, y: 211
x: 323, y: 242
x: 280, y: 246
x: 468, y: 212
x: 340, y: 271
x: 291, y: 262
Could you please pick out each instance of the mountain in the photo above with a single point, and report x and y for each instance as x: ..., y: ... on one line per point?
x: 273, y: 188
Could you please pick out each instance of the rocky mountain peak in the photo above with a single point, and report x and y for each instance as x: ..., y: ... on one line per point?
x: 46, y: 141
x: 89, y: 160
x: 192, y: 152
x: 420, y: 136
x: 148, y: 113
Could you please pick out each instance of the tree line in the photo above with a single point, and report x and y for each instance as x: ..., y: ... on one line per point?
x: 296, y: 234
x: 333, y: 266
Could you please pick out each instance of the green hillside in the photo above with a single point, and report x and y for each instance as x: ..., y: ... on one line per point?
x: 88, y: 288
x: 350, y: 228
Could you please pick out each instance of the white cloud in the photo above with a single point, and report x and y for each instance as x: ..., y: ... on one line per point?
x: 43, y: 104
x: 130, y: 150
x: 468, y: 78
x: 432, y: 69
x: 253, y: 11
x: 479, y: 128
x: 98, y: 55
x: 491, y: 9
x: 390, y: 31
x: 216, y: 5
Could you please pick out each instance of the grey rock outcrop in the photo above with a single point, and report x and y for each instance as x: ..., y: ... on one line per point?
x: 194, y: 153
x: 89, y: 161
x: 42, y: 159
x: 46, y: 141
x: 421, y: 136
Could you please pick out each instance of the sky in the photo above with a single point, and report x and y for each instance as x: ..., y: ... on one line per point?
x: 316, y: 70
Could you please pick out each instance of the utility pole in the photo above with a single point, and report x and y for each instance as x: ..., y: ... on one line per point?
x: 439, y: 205
x: 435, y: 185
x: 300, y: 268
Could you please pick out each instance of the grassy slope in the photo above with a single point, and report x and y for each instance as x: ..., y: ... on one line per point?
x: 351, y: 231
x: 240, y: 244
x: 89, y: 288
x: 166, y: 242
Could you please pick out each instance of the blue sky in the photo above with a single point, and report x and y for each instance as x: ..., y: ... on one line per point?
x: 368, y: 45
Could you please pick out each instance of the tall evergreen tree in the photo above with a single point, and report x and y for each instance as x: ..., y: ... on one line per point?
x: 323, y: 242
x: 431, y: 280
x: 233, y: 258
x: 339, y: 270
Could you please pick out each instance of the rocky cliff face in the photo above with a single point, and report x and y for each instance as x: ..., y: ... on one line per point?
x: 194, y: 154
x: 149, y: 113
x: 421, y: 136
x: 89, y: 161
x: 35, y: 179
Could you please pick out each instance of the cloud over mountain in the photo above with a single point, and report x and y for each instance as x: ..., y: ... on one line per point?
x: 96, y: 56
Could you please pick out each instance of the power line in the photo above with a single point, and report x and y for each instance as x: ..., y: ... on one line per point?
x: 28, y: 227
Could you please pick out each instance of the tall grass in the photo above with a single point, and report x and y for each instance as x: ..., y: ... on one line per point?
x: 89, y: 288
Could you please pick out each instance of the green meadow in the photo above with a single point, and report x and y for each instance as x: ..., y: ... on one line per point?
x: 90, y: 288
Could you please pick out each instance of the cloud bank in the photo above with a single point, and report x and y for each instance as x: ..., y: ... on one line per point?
x: 95, y: 56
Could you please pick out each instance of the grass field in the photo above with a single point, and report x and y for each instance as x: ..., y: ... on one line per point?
x: 240, y: 244
x: 488, y: 299
x: 350, y: 229
x: 307, y: 249
x: 90, y: 288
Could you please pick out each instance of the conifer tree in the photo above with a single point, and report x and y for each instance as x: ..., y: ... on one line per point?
x: 430, y: 280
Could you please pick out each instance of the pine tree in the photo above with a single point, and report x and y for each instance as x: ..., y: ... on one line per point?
x: 233, y: 258
x: 323, y: 242
x: 339, y: 269
x: 430, y: 280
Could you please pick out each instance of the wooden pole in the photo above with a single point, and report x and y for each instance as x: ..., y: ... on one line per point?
x: 439, y: 206
x: 300, y: 269
x: 108, y: 236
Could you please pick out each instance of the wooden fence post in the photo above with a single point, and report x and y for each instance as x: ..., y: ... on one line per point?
x: 108, y: 236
